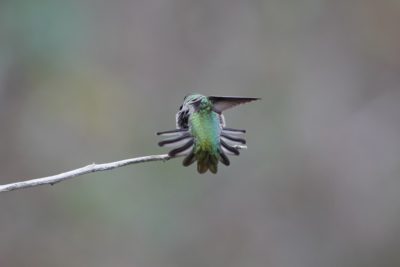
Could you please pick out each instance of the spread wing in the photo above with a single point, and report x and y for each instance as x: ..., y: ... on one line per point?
x: 222, y: 103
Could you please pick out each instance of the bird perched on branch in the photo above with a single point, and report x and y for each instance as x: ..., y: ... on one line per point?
x: 201, y: 133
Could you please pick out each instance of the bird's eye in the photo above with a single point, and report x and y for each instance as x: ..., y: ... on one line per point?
x: 180, y: 108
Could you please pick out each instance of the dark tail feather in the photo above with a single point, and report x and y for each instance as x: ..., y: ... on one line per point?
x: 176, y: 140
x: 202, y: 167
x: 171, y: 132
x: 230, y: 148
x: 234, y: 139
x: 232, y: 132
x: 213, y: 167
x: 225, y: 129
x: 189, y: 159
x: 223, y: 158
x: 181, y: 150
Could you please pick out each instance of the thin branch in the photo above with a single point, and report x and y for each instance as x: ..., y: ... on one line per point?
x: 51, y: 180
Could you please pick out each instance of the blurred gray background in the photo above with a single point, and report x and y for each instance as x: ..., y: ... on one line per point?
x: 85, y: 81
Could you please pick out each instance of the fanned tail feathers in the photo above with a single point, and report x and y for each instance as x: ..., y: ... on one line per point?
x: 183, y: 144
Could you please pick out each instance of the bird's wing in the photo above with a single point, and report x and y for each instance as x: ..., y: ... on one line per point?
x: 221, y: 103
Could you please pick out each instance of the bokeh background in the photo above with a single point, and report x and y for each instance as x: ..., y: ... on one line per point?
x: 85, y: 81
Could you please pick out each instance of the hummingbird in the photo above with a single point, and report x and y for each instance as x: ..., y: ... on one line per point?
x: 201, y: 134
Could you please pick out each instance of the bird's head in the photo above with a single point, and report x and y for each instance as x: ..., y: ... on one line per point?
x: 195, y: 101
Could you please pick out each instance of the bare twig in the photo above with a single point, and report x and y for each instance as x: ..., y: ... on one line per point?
x: 51, y: 180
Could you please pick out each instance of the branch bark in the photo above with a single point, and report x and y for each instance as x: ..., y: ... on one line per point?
x: 51, y: 180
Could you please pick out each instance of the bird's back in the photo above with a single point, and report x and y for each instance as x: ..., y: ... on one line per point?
x: 205, y: 127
